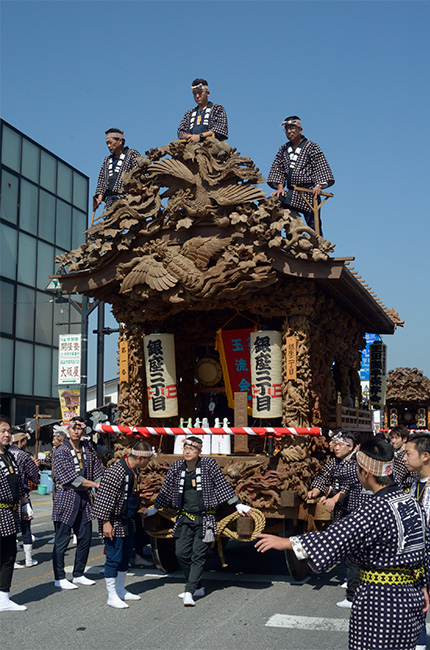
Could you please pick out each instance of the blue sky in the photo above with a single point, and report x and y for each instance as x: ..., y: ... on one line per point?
x: 356, y: 73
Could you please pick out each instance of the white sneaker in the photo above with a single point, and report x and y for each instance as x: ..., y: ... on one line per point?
x: 345, y: 604
x: 188, y: 600
x: 51, y: 541
x: 82, y: 580
x: 129, y: 596
x: 7, y: 605
x: 17, y: 565
x: 64, y: 584
x: 34, y: 538
x: 74, y: 540
x: 199, y: 593
x: 344, y: 585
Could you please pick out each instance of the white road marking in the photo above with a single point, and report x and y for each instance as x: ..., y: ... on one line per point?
x: 308, y: 623
x: 313, y: 622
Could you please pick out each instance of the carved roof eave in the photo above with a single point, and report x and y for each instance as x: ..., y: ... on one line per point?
x: 334, y: 278
x: 331, y: 275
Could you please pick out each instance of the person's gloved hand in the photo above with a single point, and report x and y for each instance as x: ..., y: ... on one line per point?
x: 27, y: 511
x: 242, y: 508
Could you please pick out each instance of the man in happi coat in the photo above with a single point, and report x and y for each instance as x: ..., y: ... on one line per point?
x: 387, y: 537
x: 110, y: 186
x: 11, y: 495
x: 77, y: 471
x: 115, y: 507
x: 322, y: 483
x: 417, y: 460
x: 399, y: 436
x: 299, y: 162
x: 28, y: 469
x: 204, y: 120
x: 195, y: 487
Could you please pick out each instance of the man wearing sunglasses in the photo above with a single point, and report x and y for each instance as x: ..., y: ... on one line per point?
x: 77, y: 470
x: 206, y: 119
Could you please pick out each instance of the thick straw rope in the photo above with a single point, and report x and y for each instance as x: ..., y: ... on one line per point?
x: 222, y: 530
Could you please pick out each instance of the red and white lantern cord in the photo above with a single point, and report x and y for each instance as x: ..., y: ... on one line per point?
x: 146, y: 432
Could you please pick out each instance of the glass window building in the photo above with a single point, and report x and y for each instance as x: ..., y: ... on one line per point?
x: 43, y: 213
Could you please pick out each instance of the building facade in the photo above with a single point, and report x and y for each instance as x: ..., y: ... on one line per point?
x: 43, y: 212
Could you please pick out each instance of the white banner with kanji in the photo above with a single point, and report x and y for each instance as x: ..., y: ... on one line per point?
x: 69, y: 359
x: 266, y: 374
x: 161, y: 375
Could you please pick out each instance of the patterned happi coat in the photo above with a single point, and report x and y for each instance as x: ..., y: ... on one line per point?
x: 215, y: 491
x: 130, y: 162
x: 387, y: 531
x: 217, y: 121
x: 310, y: 169
x: 346, y: 475
x: 323, y: 480
x: 9, y: 517
x: 28, y: 470
x: 69, y: 499
x: 110, y: 498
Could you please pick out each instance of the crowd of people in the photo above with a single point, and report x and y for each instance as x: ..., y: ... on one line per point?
x: 377, y: 490
x: 85, y: 490
x: 298, y: 163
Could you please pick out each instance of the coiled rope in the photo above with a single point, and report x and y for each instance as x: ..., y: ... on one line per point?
x: 223, y: 529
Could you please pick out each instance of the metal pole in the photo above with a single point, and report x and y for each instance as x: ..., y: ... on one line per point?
x: 100, y: 353
x: 84, y: 359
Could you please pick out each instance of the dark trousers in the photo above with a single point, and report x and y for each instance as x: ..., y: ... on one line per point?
x: 118, y: 553
x: 7, y: 559
x: 62, y: 538
x: 352, y: 577
x: 26, y: 531
x: 191, y: 552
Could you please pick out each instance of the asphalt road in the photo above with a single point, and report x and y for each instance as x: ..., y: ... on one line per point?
x: 253, y: 604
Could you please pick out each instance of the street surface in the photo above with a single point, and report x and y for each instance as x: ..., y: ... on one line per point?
x: 253, y: 604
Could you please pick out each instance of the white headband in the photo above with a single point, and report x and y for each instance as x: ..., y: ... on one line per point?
x: 193, y: 443
x: 145, y: 454
x: 375, y: 467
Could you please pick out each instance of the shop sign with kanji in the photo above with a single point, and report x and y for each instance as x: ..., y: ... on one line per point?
x: 69, y: 359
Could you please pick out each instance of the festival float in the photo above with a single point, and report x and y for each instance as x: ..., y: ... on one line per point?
x: 408, y: 399
x: 237, y: 322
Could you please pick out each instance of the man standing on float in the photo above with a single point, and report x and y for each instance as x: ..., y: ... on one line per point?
x: 206, y: 119
x: 299, y: 162
x: 121, y: 160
